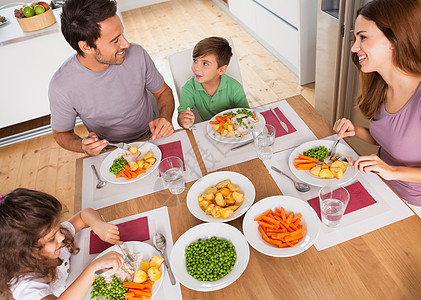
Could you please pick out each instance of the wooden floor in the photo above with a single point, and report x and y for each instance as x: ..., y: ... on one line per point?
x: 161, y: 29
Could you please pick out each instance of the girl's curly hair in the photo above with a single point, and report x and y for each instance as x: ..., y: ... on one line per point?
x: 25, y: 217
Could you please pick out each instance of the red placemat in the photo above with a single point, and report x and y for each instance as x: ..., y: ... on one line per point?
x: 135, y: 230
x: 172, y: 149
x: 272, y: 120
x: 358, y: 198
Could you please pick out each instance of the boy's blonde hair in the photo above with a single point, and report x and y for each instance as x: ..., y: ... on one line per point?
x: 214, y: 45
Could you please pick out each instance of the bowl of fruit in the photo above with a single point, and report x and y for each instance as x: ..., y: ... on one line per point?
x: 35, y: 16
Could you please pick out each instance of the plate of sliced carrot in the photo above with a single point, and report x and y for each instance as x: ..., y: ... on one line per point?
x: 301, y: 165
x: 234, y: 125
x: 143, y: 161
x: 281, y: 226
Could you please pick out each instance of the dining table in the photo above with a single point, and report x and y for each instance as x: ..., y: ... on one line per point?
x: 381, y: 264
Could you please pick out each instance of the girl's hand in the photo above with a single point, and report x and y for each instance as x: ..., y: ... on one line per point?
x: 344, y: 128
x: 112, y: 260
x: 372, y: 163
x: 186, y: 118
x: 107, y: 232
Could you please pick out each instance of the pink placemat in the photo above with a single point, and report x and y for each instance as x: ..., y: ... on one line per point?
x: 135, y: 230
x: 272, y: 120
x: 359, y: 198
x: 172, y: 149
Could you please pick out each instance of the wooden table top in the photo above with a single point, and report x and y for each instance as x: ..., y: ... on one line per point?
x: 383, y: 264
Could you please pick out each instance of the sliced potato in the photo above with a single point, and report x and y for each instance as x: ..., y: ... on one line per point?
x: 324, y: 166
x: 211, y: 190
x: 234, y: 207
x: 133, y: 150
x: 239, y: 198
x: 151, y: 160
x: 140, y: 163
x: 315, y: 170
x: 147, y: 165
x: 338, y: 164
x: 233, y: 188
x: 223, y: 183
x: 326, y: 173
x: 156, y: 261
x: 144, y: 265
x: 208, y: 196
x: 216, y: 211
x: 133, y: 165
x: 154, y: 273
x: 338, y: 172
x: 204, y: 204
x: 227, y: 212
x: 220, y: 200
x: 140, y: 276
x: 224, y: 132
x: 209, y: 209
x: 226, y: 192
x: 215, y: 127
x: 148, y: 155
x: 200, y: 198
x: 230, y: 200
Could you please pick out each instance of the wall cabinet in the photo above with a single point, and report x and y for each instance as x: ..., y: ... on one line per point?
x: 286, y: 28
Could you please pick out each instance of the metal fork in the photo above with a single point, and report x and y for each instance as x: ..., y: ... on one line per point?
x: 333, y: 149
x: 192, y: 126
x: 121, y: 145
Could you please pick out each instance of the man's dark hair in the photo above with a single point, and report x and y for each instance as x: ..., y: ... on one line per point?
x: 214, y: 45
x: 80, y: 18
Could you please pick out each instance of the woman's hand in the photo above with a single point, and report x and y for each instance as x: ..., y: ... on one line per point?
x: 111, y: 260
x: 372, y: 163
x: 107, y: 232
x: 344, y: 128
x: 186, y: 118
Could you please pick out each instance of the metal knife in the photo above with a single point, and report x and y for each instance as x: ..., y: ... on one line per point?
x: 242, y: 145
x: 284, y: 126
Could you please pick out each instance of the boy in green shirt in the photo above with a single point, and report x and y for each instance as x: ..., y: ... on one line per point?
x: 210, y: 90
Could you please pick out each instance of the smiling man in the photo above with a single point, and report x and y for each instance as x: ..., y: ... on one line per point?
x: 105, y: 83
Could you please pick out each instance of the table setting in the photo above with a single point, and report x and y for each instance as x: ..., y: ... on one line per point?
x: 277, y: 215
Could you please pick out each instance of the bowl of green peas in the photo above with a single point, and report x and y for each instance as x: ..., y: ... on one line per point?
x: 209, y: 256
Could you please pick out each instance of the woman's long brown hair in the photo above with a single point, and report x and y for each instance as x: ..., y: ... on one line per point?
x: 400, y: 22
x: 25, y: 217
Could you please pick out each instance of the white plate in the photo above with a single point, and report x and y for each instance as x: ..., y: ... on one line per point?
x: 298, y: 206
x: 309, y: 178
x: 144, y: 147
x: 233, y: 140
x: 144, y: 250
x: 199, y: 187
x: 206, y: 231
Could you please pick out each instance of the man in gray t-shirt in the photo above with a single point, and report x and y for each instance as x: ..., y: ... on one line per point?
x: 105, y: 83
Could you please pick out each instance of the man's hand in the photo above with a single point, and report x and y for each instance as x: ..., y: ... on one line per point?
x: 161, y: 127
x: 91, y: 145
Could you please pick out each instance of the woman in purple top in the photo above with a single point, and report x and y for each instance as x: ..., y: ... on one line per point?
x: 387, y: 52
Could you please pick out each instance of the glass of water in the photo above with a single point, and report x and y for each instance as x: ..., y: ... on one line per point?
x: 264, y: 138
x: 333, y: 202
x: 171, y: 170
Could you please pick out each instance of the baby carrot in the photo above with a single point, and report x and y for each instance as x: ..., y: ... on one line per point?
x: 119, y: 174
x: 302, y: 156
x: 214, y: 122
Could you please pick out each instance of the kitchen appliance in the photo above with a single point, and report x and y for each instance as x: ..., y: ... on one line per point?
x: 337, y: 81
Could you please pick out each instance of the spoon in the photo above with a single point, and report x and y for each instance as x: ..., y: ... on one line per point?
x: 301, y: 187
x: 100, y: 183
x: 160, y: 244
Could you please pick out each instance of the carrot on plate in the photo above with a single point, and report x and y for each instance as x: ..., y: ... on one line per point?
x: 302, y: 156
x: 119, y: 173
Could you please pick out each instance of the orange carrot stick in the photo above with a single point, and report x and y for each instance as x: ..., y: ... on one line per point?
x: 264, y: 224
x: 305, y: 166
x: 271, y: 220
x: 119, y: 174
x: 308, y: 158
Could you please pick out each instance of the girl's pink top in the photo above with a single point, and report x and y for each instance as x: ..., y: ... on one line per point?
x: 399, y: 137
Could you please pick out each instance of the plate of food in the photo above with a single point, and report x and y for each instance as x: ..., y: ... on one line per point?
x: 220, y: 197
x: 126, y: 166
x: 234, y: 125
x: 196, y: 269
x: 281, y: 226
x: 309, y: 163
x: 3, y: 20
x: 144, y: 279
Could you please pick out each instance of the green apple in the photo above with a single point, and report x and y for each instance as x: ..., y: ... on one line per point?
x: 39, y: 9
x: 28, y: 11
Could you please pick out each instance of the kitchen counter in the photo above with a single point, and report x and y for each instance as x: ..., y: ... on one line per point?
x: 12, y: 33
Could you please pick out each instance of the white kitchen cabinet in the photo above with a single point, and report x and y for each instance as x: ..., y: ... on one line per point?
x: 286, y: 28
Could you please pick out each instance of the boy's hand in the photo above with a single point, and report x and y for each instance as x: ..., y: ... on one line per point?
x: 186, y: 118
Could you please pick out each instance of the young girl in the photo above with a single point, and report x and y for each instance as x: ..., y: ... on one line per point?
x: 35, y: 248
x: 387, y: 51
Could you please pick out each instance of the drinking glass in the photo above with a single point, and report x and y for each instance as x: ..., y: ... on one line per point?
x: 333, y: 202
x: 171, y: 170
x: 264, y: 138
